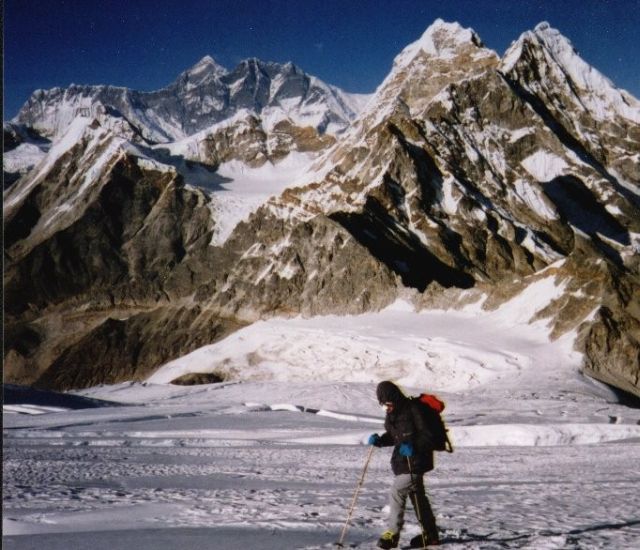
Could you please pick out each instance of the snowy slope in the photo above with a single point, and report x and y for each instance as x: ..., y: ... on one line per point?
x: 597, y: 93
x: 179, y: 467
x: 243, y: 189
x: 544, y: 457
x: 417, y: 349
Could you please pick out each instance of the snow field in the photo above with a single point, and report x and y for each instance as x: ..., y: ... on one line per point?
x: 24, y: 157
x: 184, y: 466
x: 446, y: 351
x: 243, y: 189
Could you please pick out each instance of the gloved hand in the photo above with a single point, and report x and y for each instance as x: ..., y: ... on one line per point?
x: 406, y: 449
x: 374, y: 439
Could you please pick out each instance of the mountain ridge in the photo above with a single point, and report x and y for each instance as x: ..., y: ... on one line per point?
x: 466, y: 179
x: 206, y: 88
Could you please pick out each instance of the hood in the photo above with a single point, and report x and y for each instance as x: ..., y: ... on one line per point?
x: 388, y: 391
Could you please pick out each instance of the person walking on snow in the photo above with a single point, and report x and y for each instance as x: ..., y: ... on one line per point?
x: 412, y: 457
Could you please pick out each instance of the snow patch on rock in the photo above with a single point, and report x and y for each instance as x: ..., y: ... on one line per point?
x: 544, y: 166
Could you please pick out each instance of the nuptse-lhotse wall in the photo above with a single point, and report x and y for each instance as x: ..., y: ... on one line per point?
x: 466, y: 176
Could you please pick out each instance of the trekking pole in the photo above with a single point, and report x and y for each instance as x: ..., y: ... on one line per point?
x: 416, y: 503
x: 355, y: 496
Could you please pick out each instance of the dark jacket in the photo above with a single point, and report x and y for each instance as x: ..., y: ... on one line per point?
x: 405, y: 424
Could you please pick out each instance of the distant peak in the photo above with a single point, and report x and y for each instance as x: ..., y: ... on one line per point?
x: 442, y: 35
x: 204, y: 71
x: 290, y: 67
x: 546, y: 32
x: 253, y: 63
x: 207, y: 60
x: 449, y: 26
x: 548, y: 35
x: 542, y: 26
x: 208, y: 64
x: 441, y: 39
x: 542, y: 36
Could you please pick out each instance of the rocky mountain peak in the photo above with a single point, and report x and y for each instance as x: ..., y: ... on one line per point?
x: 207, y: 65
x: 543, y: 38
x: 547, y: 47
x: 446, y: 53
x: 251, y: 79
x: 270, y: 69
x: 552, y: 37
x: 442, y: 40
x: 205, y: 71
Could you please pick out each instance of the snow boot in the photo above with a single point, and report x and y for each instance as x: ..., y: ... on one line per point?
x: 417, y: 542
x: 389, y: 539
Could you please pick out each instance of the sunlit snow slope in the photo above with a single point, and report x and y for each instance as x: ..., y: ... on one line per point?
x: 544, y: 458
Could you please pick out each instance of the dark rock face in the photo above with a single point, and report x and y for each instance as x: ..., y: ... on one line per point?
x: 198, y: 378
x: 124, y: 243
x: 402, y: 253
x: 131, y: 349
x: 112, y: 254
x: 319, y: 269
x: 614, y: 338
x: 467, y: 175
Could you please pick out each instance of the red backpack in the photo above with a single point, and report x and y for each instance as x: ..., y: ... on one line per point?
x: 431, y: 408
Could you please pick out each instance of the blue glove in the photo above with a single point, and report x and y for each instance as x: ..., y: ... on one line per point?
x: 374, y: 439
x: 406, y: 449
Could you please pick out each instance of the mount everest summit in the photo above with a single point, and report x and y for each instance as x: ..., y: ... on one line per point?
x: 142, y: 225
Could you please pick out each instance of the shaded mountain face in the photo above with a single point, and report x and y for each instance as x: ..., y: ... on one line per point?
x: 465, y: 179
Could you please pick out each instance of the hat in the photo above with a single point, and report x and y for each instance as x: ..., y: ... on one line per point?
x: 389, y: 392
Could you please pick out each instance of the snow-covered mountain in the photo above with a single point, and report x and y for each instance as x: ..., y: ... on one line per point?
x: 460, y: 183
x: 256, y: 113
x: 160, y: 222
x: 200, y: 97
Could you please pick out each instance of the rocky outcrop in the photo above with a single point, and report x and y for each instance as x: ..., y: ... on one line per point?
x: 132, y: 348
x: 74, y: 260
x: 247, y: 141
x: 614, y: 338
x: 468, y: 177
x: 198, y: 378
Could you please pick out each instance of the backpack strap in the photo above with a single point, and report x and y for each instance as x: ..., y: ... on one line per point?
x: 447, y: 442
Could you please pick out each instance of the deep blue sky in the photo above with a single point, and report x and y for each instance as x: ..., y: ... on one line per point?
x: 145, y: 44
